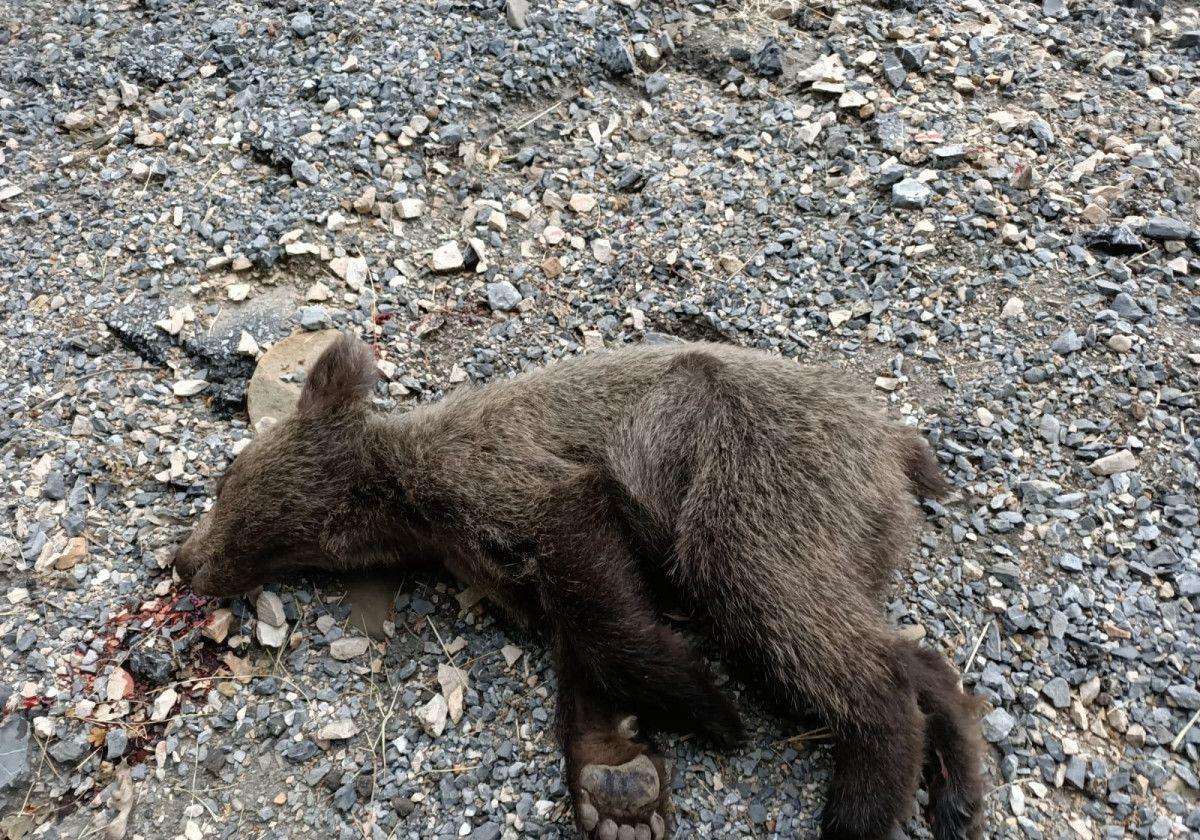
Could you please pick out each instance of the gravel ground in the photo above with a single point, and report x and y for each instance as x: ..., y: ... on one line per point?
x: 987, y: 209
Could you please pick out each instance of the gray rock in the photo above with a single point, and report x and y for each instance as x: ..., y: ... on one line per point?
x: 55, y: 487
x: 305, y: 172
x: 1119, y: 241
x: 1049, y: 428
x: 998, y: 724
x: 1188, y: 40
x: 1188, y: 584
x: 503, y: 296
x: 14, y: 752
x: 116, y: 742
x: 1164, y: 229
x: 1067, y: 343
x: 892, y: 134
x: 301, y: 751
x: 1054, y: 8
x: 1042, y: 131
x: 1077, y: 772
x: 302, y: 25
x: 315, y: 318
x: 1070, y: 562
x: 1058, y: 692
x: 910, y: 194
x: 1125, y: 306
x: 894, y: 70
x: 515, y: 12
x: 68, y: 750
x: 947, y: 157
x: 153, y: 666
x: 656, y: 83
x: 912, y: 56
x: 892, y: 174
x: 1186, y: 696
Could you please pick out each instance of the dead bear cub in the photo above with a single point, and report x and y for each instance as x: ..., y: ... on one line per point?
x: 762, y: 496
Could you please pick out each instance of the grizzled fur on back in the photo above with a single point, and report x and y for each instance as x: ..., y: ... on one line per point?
x: 771, y: 500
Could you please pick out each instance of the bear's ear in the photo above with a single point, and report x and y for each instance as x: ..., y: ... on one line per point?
x: 342, y: 377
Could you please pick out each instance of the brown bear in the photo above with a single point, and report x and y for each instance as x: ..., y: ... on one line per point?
x: 586, y: 499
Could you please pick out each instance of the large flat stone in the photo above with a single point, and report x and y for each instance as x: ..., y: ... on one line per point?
x: 268, y: 394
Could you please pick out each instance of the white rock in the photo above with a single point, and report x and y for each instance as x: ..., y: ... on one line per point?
x: 1118, y: 462
x: 1016, y: 800
x: 511, y: 654
x: 9, y: 190
x: 1012, y: 307
x: 837, y: 317
x: 269, y: 636
x: 828, y: 68
x: 986, y: 418
x: 339, y: 730
x: 163, y: 704
x: 852, y: 99
x: 1005, y: 120
x: 295, y: 249
x: 522, y: 209
x: 218, y: 625
x: 176, y: 320
x: 446, y: 257
x: 78, y: 121
x: 365, y: 203
x: 238, y: 291
x: 335, y: 221
x: 348, y: 647
x: 1120, y: 343
x: 592, y: 340
x: 450, y: 678
x: 809, y: 132
x: 455, y: 704
x: 247, y: 346
x: 120, y: 685
x: 189, y: 387
x: 602, y: 250
x: 411, y: 208
x: 432, y: 716
x: 351, y: 269
x: 318, y: 291
x: 129, y: 93
x: 583, y: 203
x: 269, y: 609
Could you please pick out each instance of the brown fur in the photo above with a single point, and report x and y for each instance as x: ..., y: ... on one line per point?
x: 766, y: 497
